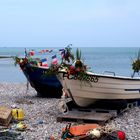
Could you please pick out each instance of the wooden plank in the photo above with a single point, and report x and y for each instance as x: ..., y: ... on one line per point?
x: 85, y: 117
x: 114, y: 113
x: 5, y: 115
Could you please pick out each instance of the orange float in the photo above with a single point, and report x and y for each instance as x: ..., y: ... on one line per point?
x: 79, y: 130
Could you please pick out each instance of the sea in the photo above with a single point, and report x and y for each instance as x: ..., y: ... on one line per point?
x: 103, y: 60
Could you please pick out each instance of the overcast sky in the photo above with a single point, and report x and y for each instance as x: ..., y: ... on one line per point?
x: 56, y: 23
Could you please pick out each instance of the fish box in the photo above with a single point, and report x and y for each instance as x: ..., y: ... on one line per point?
x: 5, y: 115
x: 18, y: 114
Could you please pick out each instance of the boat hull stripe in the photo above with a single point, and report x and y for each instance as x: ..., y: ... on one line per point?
x: 132, y: 90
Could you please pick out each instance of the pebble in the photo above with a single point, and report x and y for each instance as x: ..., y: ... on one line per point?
x: 41, y: 113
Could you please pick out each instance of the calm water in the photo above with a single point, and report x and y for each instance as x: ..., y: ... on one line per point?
x: 117, y: 60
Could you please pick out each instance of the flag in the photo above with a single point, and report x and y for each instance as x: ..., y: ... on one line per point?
x: 43, y: 51
x: 47, y: 50
x: 40, y: 51
x: 31, y: 53
x: 50, y: 51
x: 44, y: 62
x: 54, y: 60
x: 62, y: 51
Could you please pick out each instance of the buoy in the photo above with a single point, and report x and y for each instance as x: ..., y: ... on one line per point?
x: 81, y: 129
x: 121, y: 135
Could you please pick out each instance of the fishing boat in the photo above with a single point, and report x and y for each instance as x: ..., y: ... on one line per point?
x: 85, y: 87
x: 45, y: 85
x: 41, y: 76
x: 99, y: 87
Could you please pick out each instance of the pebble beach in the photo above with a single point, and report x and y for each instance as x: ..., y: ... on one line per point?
x: 41, y: 113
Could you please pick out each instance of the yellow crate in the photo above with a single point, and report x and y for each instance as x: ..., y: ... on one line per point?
x: 18, y: 114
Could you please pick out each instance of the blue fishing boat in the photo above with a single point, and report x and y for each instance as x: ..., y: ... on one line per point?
x: 46, y: 85
x: 41, y: 76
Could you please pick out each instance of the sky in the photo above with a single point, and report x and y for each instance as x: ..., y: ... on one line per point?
x: 57, y: 23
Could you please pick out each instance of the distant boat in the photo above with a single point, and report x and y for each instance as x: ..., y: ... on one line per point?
x: 45, y: 85
x: 100, y: 87
x: 5, y: 56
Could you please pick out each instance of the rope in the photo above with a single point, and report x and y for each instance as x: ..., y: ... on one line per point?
x: 67, y: 134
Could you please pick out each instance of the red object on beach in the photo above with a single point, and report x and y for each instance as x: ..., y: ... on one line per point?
x: 121, y: 135
x: 82, y: 129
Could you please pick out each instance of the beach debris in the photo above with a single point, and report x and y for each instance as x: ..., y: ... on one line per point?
x: 5, y: 115
x: 129, y: 121
x: 18, y: 114
x: 90, y: 132
x: 77, y: 131
x: 95, y: 133
x: 21, y: 126
x: 106, y: 133
x: 10, y: 135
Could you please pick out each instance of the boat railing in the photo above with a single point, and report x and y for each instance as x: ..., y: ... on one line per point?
x: 110, y: 72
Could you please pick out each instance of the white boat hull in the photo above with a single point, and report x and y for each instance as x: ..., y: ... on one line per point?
x: 107, y: 87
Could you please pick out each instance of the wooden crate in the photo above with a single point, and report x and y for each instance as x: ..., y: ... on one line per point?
x: 5, y: 115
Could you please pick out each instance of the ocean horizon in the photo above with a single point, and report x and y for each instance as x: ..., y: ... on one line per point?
x: 100, y: 59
